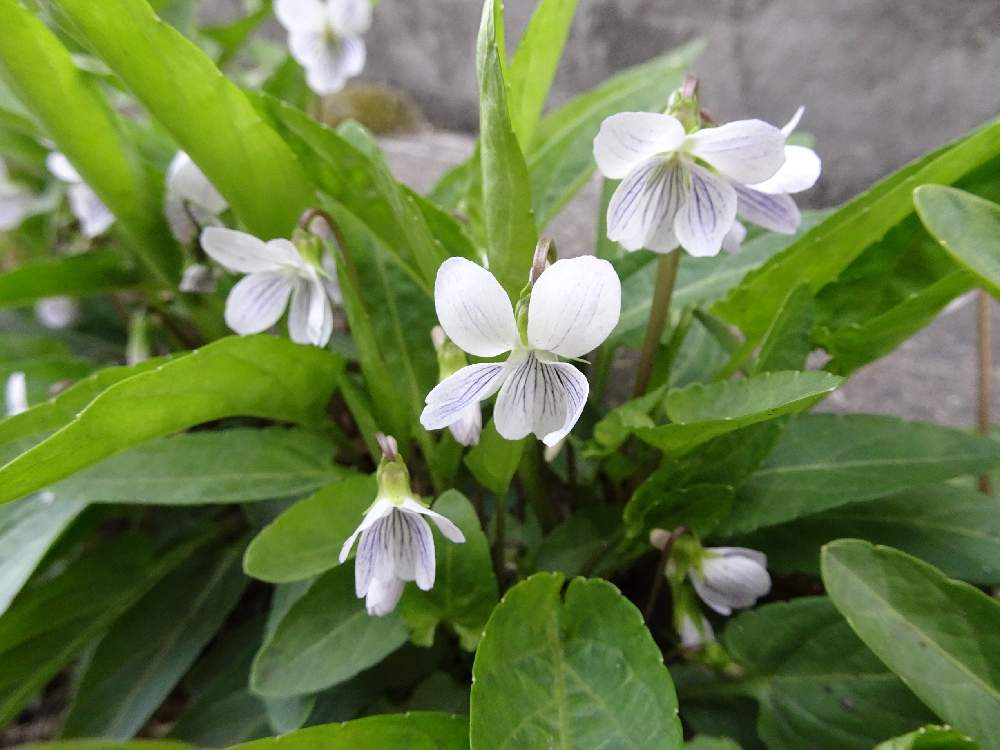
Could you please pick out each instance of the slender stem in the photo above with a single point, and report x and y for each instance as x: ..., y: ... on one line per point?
x: 658, y: 576
x: 529, y: 471
x: 985, y: 352
x: 666, y: 276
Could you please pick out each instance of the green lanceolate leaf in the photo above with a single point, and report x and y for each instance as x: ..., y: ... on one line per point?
x: 700, y: 508
x: 510, y: 226
x: 823, y: 461
x: 414, y: 731
x: 144, y: 655
x: 494, y: 460
x: 229, y: 466
x: 931, y: 738
x: 76, y: 117
x: 941, y: 636
x: 208, y: 115
x: 951, y: 527
x: 306, y: 539
x: 968, y: 228
x: 580, y: 672
x: 73, y: 276
x: 702, y: 412
x: 326, y: 638
x: 787, y: 344
x: 107, y: 745
x: 465, y: 589
x: 257, y: 376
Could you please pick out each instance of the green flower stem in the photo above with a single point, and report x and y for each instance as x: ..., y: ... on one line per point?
x: 985, y: 361
x: 666, y: 277
x: 529, y: 471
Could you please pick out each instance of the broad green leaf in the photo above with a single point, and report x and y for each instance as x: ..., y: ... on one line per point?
x: 787, y: 344
x: 107, y: 745
x: 824, y: 461
x: 816, y: 683
x: 209, y: 117
x: 73, y: 276
x: 145, y: 653
x: 823, y: 253
x: 229, y: 466
x: 465, y: 589
x: 413, y: 731
x: 576, y: 544
x: 702, y: 412
x: 258, y: 376
x: 27, y: 529
x: 931, y: 738
x: 953, y: 528
x: 306, y: 539
x: 494, y: 460
x: 79, y: 121
x: 535, y: 62
x: 326, y: 638
x: 968, y: 228
x: 580, y: 672
x: 728, y: 459
x: 700, y: 508
x: 510, y: 226
x: 941, y: 636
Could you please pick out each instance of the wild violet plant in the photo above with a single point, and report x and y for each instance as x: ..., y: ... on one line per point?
x: 647, y: 539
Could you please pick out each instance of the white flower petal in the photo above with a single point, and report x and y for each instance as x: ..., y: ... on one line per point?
x: 257, y: 301
x: 402, y: 546
x: 239, y: 251
x: 775, y: 212
x: 708, y: 215
x: 188, y: 182
x: 451, y: 532
x: 800, y: 171
x: 473, y: 308
x: 695, y: 635
x: 334, y: 62
x: 301, y: 15
x: 309, y: 47
x: 731, y: 578
x: 310, y: 318
x: 198, y: 279
x: 59, y: 166
x: 627, y: 139
x: 449, y: 399
x: 575, y: 304
x: 677, y: 186
x: 95, y: 218
x: 469, y: 426
x: 378, y: 510
x: 544, y: 398
x: 14, y: 208
x: 645, y: 200
x: 350, y: 17
x: 734, y: 237
x: 56, y: 313
x: 331, y: 281
x: 747, y: 151
x: 789, y: 127
x: 16, y: 394
x: 383, y: 596
x: 187, y: 219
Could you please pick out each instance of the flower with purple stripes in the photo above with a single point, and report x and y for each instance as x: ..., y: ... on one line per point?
x: 572, y: 308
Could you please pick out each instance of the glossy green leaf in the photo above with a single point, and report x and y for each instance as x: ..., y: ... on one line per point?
x: 494, y: 460
x: 702, y: 412
x: 824, y: 461
x: 953, y: 528
x: 229, y: 466
x: 257, y: 376
x: 931, y: 738
x: 326, y: 638
x: 700, y: 508
x: 145, y: 653
x: 107, y: 745
x: 413, y: 731
x: 208, y: 115
x: 465, y: 589
x: 968, y: 228
x: 941, y: 636
x: 306, y: 539
x: 73, y: 276
x: 510, y: 226
x: 787, y: 344
x: 550, y: 672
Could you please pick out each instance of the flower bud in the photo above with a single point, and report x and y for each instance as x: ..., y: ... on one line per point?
x: 731, y: 578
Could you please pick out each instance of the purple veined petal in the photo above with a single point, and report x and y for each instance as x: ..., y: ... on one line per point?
x: 746, y: 151
x: 405, y: 548
x: 383, y: 596
x: 777, y: 213
x: 544, y: 398
x: 450, y: 530
x: 663, y: 239
x: 800, y: 172
x: 258, y: 301
x: 310, y: 317
x: 733, y: 240
x: 374, y: 513
x: 702, y: 223
x: 449, y: 399
x: 575, y: 305
x: 469, y: 426
x: 350, y: 17
x: 643, y: 200
x: 301, y: 15
x: 628, y: 139
x: 473, y: 309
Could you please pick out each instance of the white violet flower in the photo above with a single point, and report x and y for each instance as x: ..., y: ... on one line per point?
x: 324, y: 37
x: 693, y: 634
x: 573, y: 307
x: 17, y: 202
x: 95, y: 218
x: 731, y: 578
x: 15, y: 394
x: 274, y: 271
x: 56, y: 313
x: 679, y: 188
x: 191, y: 202
x: 469, y: 425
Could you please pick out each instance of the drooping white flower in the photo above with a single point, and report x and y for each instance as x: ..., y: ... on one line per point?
x: 274, y: 271
x: 731, y: 578
x: 678, y: 188
x: 17, y: 202
x: 694, y: 634
x: 95, y: 218
x: 573, y: 308
x: 56, y: 313
x: 15, y: 394
x: 191, y: 201
x: 324, y: 37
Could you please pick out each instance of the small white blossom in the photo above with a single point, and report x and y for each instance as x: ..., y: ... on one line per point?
x: 17, y: 202
x: 693, y: 634
x: 191, y: 202
x: 274, y: 272
x: 678, y: 188
x: 469, y: 426
x: 16, y: 394
x: 56, y: 313
x: 324, y: 37
x: 574, y: 306
x: 731, y: 578
x: 95, y: 218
